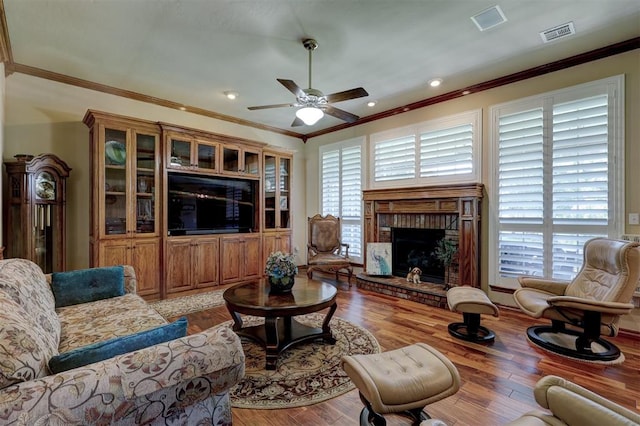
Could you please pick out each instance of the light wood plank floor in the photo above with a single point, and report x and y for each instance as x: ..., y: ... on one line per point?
x: 497, y: 380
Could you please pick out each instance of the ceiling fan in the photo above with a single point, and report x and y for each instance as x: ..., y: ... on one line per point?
x: 314, y: 103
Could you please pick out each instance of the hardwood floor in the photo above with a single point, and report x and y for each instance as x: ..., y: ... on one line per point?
x: 497, y: 380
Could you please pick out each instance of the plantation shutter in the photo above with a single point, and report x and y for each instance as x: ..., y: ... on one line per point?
x: 341, y: 177
x: 580, y: 179
x: 395, y: 159
x: 331, y: 183
x: 553, y: 186
x: 520, y: 189
x: 447, y: 152
x: 352, y: 200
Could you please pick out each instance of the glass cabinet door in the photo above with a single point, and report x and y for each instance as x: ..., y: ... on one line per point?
x: 283, y: 186
x: 251, y: 163
x: 206, y: 156
x: 269, y: 191
x: 146, y: 182
x: 277, y: 182
x: 230, y: 159
x: 115, y: 182
x: 180, y: 153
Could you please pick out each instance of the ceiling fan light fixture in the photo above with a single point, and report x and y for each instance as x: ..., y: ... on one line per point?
x: 309, y: 115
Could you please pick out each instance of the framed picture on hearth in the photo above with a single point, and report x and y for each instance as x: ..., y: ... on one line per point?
x: 379, y: 259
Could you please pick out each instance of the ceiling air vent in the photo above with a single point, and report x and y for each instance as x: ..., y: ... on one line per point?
x: 560, y: 31
x: 489, y: 18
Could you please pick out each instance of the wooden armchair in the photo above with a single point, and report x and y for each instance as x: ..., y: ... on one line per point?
x: 325, y: 250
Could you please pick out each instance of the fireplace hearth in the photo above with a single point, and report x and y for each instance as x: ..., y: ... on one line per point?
x: 415, y: 247
x: 450, y: 209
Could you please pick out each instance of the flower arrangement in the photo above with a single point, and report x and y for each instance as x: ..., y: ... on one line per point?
x: 280, y: 265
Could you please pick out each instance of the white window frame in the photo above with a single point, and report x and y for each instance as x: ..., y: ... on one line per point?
x: 614, y: 88
x: 474, y: 118
x: 340, y: 146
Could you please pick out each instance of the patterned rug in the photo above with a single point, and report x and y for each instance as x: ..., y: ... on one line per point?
x: 306, y: 374
x: 169, y: 308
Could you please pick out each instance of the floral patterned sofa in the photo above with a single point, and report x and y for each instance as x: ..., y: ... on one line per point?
x: 182, y: 381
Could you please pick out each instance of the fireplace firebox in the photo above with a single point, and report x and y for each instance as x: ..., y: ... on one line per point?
x: 413, y: 247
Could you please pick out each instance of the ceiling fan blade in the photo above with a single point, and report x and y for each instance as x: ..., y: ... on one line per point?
x: 292, y: 87
x: 346, y: 95
x: 270, y: 106
x: 297, y: 122
x: 341, y: 114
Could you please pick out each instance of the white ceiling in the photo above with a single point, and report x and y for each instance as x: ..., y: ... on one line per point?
x: 191, y: 51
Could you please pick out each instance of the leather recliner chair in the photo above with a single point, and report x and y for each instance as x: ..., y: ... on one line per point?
x: 572, y: 405
x: 589, y: 306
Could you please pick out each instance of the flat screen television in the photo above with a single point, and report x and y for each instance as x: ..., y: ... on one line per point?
x: 210, y: 205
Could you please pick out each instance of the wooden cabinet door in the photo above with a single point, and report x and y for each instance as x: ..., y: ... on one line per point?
x: 275, y: 241
x: 114, y: 252
x: 145, y: 259
x: 207, y: 259
x: 232, y: 258
x: 252, y: 265
x: 284, y: 242
x: 269, y: 245
x: 179, y: 265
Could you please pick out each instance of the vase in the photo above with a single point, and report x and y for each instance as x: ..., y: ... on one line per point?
x: 280, y: 285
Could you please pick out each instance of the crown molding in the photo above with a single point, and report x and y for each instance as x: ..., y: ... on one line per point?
x: 6, y: 56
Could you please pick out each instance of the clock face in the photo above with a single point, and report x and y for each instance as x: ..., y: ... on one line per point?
x: 45, y: 186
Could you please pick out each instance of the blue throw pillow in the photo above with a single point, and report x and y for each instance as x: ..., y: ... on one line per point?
x: 118, y: 346
x: 87, y: 285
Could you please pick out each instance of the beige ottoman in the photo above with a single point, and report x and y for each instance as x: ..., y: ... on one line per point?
x: 471, y: 302
x: 401, y: 381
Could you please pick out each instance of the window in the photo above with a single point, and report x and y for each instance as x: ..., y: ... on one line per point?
x: 558, y: 179
x: 438, y: 151
x: 341, y: 190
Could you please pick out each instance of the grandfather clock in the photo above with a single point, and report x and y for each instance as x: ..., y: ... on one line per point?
x: 35, y: 210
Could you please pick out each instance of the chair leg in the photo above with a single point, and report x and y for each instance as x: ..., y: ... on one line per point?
x: 471, y: 330
x: 583, y: 343
x: 368, y: 417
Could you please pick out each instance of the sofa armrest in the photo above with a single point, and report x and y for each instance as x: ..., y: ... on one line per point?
x: 159, y: 381
x: 550, y: 286
x: 130, y: 282
x: 578, y: 406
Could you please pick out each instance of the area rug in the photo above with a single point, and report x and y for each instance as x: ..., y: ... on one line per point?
x: 306, y: 374
x: 169, y: 308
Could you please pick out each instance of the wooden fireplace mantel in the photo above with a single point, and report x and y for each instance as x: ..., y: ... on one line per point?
x: 455, y: 208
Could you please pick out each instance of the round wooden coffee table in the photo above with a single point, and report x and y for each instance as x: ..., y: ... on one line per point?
x: 280, y: 330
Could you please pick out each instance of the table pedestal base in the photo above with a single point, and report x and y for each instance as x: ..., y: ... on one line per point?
x: 280, y: 333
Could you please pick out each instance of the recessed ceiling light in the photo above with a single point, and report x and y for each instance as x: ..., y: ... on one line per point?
x: 371, y: 104
x: 231, y: 95
x: 435, y: 82
x: 466, y: 92
x: 182, y: 108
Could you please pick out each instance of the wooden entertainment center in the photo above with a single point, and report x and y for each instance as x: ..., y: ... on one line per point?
x: 133, y: 162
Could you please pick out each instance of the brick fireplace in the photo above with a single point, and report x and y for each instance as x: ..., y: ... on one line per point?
x: 452, y: 211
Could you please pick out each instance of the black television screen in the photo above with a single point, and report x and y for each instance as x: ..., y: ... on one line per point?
x: 210, y: 205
